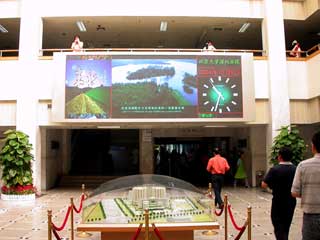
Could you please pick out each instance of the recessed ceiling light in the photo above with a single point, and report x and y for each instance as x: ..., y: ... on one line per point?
x: 108, y: 127
x: 244, y: 27
x: 163, y: 26
x: 81, y: 26
x: 3, y: 29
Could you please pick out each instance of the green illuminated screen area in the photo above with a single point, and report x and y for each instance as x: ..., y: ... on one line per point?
x: 106, y: 87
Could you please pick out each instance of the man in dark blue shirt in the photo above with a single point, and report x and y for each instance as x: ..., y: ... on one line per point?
x: 279, y: 179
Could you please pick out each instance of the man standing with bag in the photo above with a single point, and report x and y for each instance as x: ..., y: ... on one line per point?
x: 217, y: 166
x: 306, y: 185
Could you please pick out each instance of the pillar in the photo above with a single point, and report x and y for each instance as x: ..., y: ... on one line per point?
x: 146, y: 163
x: 274, y: 44
x: 26, y: 116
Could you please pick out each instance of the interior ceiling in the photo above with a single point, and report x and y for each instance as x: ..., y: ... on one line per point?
x: 144, y: 32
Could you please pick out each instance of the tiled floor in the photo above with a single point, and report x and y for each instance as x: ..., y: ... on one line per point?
x: 28, y: 220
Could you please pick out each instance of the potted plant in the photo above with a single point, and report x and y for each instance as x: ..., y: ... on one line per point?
x: 288, y: 137
x: 15, y: 161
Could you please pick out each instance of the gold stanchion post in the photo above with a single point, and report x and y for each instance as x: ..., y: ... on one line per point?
x: 49, y: 224
x: 249, y: 222
x: 83, y: 188
x: 225, y: 216
x: 83, y: 234
x: 210, y: 190
x: 146, y: 220
x: 71, y: 220
x: 213, y: 208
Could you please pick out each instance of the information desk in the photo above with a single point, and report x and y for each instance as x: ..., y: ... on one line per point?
x: 169, y: 231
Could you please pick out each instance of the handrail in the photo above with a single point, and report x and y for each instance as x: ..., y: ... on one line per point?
x: 313, y: 49
x: 303, y: 54
x: 45, y: 52
x: 7, y: 53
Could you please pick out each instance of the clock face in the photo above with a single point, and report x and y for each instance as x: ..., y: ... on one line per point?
x: 220, y: 97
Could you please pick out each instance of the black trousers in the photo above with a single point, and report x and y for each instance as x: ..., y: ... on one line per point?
x: 217, y: 182
x: 281, y: 217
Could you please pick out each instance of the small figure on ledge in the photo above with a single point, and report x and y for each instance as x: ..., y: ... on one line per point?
x: 77, y: 45
x: 296, y: 50
x: 209, y: 46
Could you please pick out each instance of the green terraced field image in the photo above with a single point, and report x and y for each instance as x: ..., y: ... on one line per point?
x: 92, y: 103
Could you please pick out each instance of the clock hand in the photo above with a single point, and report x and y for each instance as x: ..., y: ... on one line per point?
x: 217, y: 103
x: 217, y: 91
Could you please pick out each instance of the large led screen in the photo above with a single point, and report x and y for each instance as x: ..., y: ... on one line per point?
x: 134, y: 86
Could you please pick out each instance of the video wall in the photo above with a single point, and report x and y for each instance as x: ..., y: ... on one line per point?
x: 153, y: 86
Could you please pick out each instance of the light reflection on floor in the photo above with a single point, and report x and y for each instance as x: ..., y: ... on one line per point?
x: 28, y: 220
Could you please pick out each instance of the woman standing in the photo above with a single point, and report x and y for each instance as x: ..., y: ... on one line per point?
x: 241, y: 172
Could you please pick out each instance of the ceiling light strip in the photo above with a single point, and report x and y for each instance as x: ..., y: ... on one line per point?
x: 81, y: 26
x: 3, y: 29
x: 163, y: 26
x: 244, y: 27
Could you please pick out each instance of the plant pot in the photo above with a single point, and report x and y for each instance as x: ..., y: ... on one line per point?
x: 16, y: 197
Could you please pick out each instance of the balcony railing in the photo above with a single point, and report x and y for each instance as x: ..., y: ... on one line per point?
x: 48, y: 53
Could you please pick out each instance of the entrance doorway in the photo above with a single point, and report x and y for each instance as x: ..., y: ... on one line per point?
x: 187, y: 158
x: 104, y: 152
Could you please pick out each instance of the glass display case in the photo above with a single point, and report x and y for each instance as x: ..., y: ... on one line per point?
x: 170, y: 202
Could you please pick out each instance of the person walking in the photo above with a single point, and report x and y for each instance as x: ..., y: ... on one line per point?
x: 279, y: 179
x: 306, y: 185
x: 217, y: 166
x: 241, y: 174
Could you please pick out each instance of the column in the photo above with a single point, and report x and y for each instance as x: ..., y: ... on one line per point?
x: 146, y: 152
x: 274, y: 44
x: 26, y: 116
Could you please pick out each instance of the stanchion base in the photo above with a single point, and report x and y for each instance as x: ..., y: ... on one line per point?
x: 209, y: 233
x: 83, y: 234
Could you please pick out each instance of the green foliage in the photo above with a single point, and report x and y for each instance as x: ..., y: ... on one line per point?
x: 15, y: 159
x: 147, y: 93
x: 288, y: 137
x: 152, y: 71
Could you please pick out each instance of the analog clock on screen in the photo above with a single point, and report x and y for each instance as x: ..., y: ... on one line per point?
x: 220, y: 96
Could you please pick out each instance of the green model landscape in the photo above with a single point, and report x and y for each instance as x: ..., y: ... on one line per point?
x: 93, y: 213
x: 189, y: 210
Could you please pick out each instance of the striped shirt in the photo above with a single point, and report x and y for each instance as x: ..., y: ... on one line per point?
x: 217, y: 165
x: 306, y: 183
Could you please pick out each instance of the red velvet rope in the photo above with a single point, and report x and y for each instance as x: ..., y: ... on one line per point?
x: 80, y: 207
x: 157, y: 232
x: 56, y: 234
x: 241, y: 232
x: 218, y: 213
x: 233, y: 221
x: 137, y: 232
x: 64, y: 221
